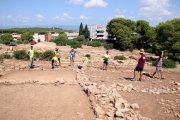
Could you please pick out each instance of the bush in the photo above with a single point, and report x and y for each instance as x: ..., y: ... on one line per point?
x: 150, y: 59
x: 119, y: 57
x: 19, y: 42
x: 37, y: 54
x: 95, y: 44
x: 168, y: 63
x: 1, y: 59
x: 74, y: 44
x: 21, y: 54
x: 88, y: 56
x: 47, y: 55
x: 108, y: 46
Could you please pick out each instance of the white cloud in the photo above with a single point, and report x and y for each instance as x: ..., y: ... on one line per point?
x: 63, y: 16
x: 9, y: 17
x: 155, y: 8
x: 77, y: 2
x: 96, y: 3
x: 120, y: 13
x: 18, y: 18
x: 40, y: 17
x: 21, y: 19
x: 83, y: 17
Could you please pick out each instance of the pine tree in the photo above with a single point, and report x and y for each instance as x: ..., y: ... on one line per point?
x: 86, y: 32
x: 81, y: 29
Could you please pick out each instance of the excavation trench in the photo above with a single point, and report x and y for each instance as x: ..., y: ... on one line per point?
x: 43, y: 95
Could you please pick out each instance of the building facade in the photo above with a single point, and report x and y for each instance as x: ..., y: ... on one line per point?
x: 16, y: 36
x: 38, y: 38
x: 72, y: 35
x: 98, y: 32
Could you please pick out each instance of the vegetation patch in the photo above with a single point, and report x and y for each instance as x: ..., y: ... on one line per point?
x: 119, y: 57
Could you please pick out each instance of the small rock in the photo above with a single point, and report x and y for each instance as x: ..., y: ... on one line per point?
x: 129, y: 118
x: 134, y: 106
x: 119, y: 114
x: 178, y: 88
x: 176, y: 83
x: 99, y: 112
x: 177, y: 115
x: 110, y: 114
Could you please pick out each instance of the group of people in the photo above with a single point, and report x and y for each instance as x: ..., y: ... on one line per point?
x: 56, y: 60
x: 140, y: 65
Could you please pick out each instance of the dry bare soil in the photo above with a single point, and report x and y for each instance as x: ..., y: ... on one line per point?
x: 36, y: 94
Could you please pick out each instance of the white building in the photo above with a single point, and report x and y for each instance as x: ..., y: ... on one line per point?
x: 72, y: 35
x: 37, y: 37
x: 98, y: 32
x: 16, y: 36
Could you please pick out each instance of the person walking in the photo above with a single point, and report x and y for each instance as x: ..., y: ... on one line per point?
x: 106, y: 60
x: 159, y: 65
x: 72, y: 56
x: 140, y: 66
x: 31, y: 56
x: 58, y: 55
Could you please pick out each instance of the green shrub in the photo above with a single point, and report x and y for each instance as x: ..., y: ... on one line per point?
x: 96, y: 44
x: 47, y: 55
x: 168, y: 63
x: 19, y: 42
x: 21, y: 54
x: 1, y: 59
x: 150, y: 59
x: 88, y: 56
x: 37, y: 54
x: 6, y: 56
x: 108, y: 46
x: 119, y: 57
x: 74, y: 44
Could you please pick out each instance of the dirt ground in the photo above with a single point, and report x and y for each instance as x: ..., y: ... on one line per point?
x: 158, y: 102
x: 27, y: 101
x: 35, y: 94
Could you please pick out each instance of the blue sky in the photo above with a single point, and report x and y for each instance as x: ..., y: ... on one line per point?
x: 72, y: 12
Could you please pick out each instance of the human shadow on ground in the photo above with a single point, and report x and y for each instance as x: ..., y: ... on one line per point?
x: 128, y: 78
x: 147, y: 74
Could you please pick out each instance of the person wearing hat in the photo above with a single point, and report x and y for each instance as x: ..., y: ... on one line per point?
x: 140, y: 65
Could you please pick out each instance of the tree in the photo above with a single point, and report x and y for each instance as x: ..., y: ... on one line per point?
x: 26, y: 37
x: 62, y: 36
x: 6, y: 39
x: 81, y: 29
x: 142, y: 28
x: 122, y: 29
x: 86, y: 32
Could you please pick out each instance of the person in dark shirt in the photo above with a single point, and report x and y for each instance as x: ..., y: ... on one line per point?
x: 140, y: 65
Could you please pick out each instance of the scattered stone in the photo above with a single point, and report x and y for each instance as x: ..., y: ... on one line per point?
x: 176, y: 83
x: 99, y: 112
x: 134, y: 106
x: 177, y: 115
x: 129, y: 118
x: 110, y: 113
x: 119, y: 114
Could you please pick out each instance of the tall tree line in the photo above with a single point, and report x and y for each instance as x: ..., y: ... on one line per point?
x: 84, y: 31
x: 131, y: 34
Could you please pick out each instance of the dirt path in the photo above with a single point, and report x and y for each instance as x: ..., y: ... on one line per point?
x: 43, y: 102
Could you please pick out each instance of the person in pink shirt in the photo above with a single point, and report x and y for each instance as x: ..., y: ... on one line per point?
x: 140, y: 65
